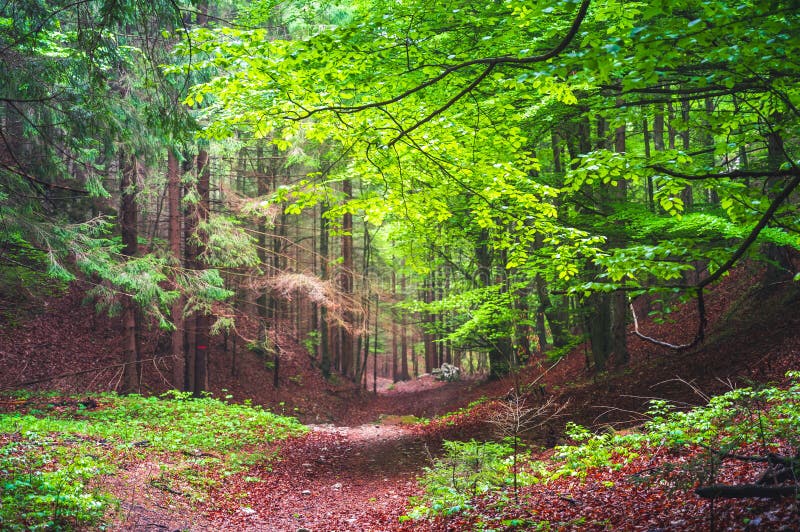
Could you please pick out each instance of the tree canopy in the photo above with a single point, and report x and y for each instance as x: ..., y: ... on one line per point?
x: 533, y: 168
x: 536, y: 132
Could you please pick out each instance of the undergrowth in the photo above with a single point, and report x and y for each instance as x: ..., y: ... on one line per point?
x: 767, y: 417
x: 467, y: 470
x: 763, y: 420
x: 52, y: 451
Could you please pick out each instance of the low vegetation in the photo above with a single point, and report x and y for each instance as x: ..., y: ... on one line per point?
x: 55, y: 451
x: 741, y: 444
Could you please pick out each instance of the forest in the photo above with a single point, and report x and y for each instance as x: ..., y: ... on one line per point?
x: 514, y: 265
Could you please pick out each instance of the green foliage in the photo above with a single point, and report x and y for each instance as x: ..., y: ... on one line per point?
x: 45, y: 486
x: 24, y: 281
x: 594, y: 450
x: 767, y: 416
x: 467, y: 470
x: 226, y: 244
x: 456, y: 156
x: 51, y: 458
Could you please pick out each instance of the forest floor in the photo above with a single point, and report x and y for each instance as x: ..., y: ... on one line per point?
x: 358, y: 464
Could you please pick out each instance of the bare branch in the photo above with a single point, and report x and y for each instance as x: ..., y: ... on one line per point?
x: 466, y: 90
x: 762, y: 223
x: 699, y: 335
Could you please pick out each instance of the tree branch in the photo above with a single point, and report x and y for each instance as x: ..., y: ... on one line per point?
x: 486, y: 61
x: 735, y: 174
x: 466, y: 90
x: 762, y: 223
x: 698, y: 337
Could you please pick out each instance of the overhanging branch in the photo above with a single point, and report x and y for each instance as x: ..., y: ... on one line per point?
x: 489, y: 62
x: 734, y: 174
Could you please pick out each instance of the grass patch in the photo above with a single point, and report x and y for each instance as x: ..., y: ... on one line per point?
x: 51, y: 452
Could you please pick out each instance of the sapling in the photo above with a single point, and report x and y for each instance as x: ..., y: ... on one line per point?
x: 513, y: 418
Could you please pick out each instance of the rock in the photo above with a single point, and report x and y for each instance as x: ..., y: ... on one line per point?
x: 337, y: 486
x: 306, y: 492
x: 303, y: 530
x: 248, y: 512
x: 447, y: 372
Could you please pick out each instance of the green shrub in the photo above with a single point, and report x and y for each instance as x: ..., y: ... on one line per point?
x: 466, y: 470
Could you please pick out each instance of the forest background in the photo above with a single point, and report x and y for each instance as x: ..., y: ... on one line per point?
x: 402, y: 182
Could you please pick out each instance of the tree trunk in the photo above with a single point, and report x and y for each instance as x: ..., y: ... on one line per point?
x: 374, y: 349
x: 427, y: 336
x: 190, y: 263
x: 780, y: 265
x: 262, y: 189
x: 346, y: 282
x: 395, y: 368
x: 174, y: 236
x: 687, y: 195
x: 202, y: 320
x: 598, y: 326
x: 324, y: 351
x: 413, y: 354
x: 128, y: 216
x: 619, y: 299
x: 404, y: 336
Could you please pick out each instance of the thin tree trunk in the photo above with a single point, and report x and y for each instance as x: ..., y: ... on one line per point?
x: 324, y: 351
x: 649, y: 185
x: 708, y: 142
x: 375, y: 349
x: 427, y: 337
x: 619, y: 299
x: 414, y: 362
x: 190, y: 263
x: 404, y: 335
x: 395, y: 360
x: 203, y: 320
x: 174, y: 236
x: 687, y: 195
x: 128, y: 223
x: 346, y: 280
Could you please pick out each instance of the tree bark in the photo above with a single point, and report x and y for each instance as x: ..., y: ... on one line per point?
x: 202, y: 319
x: 324, y: 350
x: 346, y: 282
x: 190, y: 263
x: 404, y: 336
x: 395, y: 359
x: 174, y: 237
x: 128, y: 216
x: 687, y: 195
x: 619, y: 299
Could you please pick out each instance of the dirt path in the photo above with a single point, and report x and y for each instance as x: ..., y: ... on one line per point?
x: 343, y: 478
x: 335, y: 478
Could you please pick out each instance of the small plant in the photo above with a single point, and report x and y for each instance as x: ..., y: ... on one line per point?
x: 42, y: 487
x: 513, y: 418
x: 467, y: 469
x: 311, y: 341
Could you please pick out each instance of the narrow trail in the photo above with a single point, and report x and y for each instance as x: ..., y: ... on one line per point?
x: 344, y: 478
x: 335, y: 478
